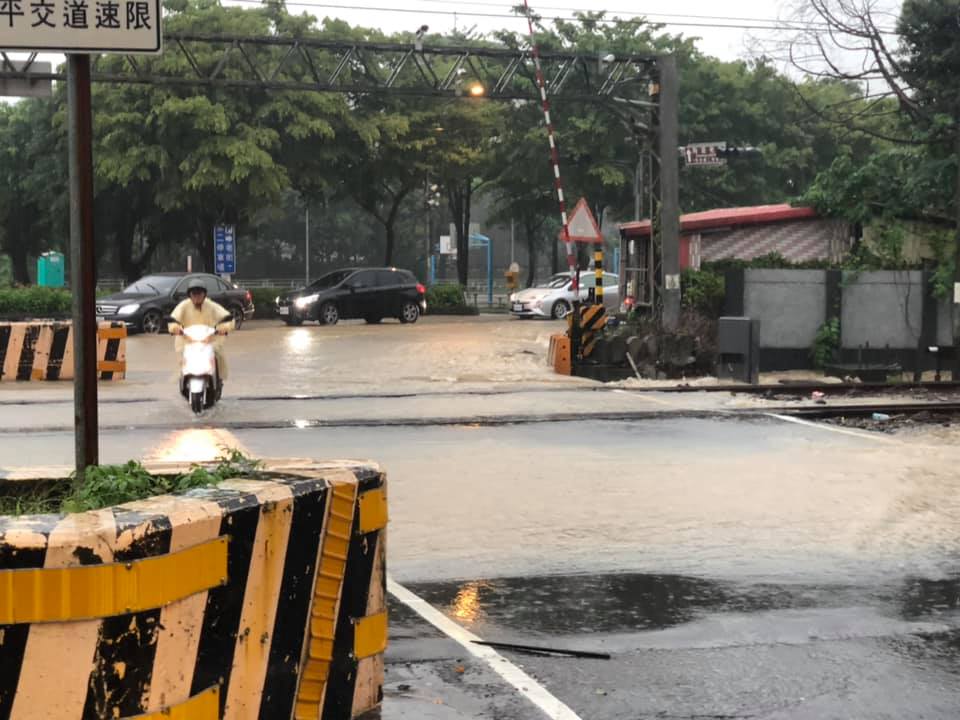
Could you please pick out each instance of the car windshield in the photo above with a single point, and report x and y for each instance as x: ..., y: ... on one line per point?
x: 558, y: 281
x: 158, y: 284
x: 331, y: 279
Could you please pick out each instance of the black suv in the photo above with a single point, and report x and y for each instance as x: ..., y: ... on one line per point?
x: 144, y: 305
x: 368, y: 293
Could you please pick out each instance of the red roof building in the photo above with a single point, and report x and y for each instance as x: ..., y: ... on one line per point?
x: 796, y: 233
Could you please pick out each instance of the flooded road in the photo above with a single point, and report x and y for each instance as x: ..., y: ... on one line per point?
x: 731, y: 567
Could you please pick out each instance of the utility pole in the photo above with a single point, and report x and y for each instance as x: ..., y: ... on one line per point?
x: 306, y: 235
x: 82, y: 264
x: 956, y: 260
x: 637, y: 175
x: 669, y: 191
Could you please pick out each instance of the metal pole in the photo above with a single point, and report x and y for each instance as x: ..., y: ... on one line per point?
x: 512, y: 260
x: 636, y: 185
x: 489, y: 271
x: 669, y: 191
x: 306, y: 233
x: 428, y: 229
x: 82, y: 263
x: 955, y: 373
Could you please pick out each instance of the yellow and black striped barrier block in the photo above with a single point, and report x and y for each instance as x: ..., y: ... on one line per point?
x: 593, y: 318
x: 44, y: 351
x: 559, y: 355
x: 259, y: 598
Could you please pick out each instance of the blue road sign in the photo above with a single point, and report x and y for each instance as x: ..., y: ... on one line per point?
x: 225, y: 240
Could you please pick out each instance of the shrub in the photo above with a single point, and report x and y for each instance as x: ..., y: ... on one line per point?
x: 703, y: 291
x: 264, y: 300
x: 445, y: 296
x: 35, y: 302
x: 826, y: 343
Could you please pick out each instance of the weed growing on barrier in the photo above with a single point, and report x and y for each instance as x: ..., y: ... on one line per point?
x: 106, y: 485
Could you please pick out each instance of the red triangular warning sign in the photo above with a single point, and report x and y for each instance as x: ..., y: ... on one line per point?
x: 582, y: 226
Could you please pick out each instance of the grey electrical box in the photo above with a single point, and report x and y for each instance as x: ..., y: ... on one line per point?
x: 739, y: 341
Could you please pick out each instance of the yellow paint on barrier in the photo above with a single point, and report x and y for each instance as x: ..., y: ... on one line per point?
x: 261, y: 598
x: 326, y: 598
x: 204, y: 706
x: 114, y: 366
x: 370, y: 635
x: 111, y: 333
x: 373, y: 510
x: 370, y: 671
x: 11, y: 361
x: 98, y: 591
x: 47, y: 683
x: 178, y: 636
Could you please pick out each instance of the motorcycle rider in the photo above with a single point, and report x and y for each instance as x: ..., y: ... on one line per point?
x: 198, y: 309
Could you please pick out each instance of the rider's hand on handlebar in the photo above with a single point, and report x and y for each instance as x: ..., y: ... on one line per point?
x: 176, y: 330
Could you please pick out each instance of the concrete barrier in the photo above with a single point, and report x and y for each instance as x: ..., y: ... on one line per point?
x: 43, y: 350
x: 259, y: 598
x: 559, y: 355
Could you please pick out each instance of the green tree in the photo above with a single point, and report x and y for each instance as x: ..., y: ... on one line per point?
x: 32, y: 182
x: 187, y: 159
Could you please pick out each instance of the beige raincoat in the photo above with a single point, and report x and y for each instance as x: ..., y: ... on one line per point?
x: 209, y: 313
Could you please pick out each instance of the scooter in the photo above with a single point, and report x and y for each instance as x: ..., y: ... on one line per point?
x: 199, y: 380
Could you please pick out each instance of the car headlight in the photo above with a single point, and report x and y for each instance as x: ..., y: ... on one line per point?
x: 128, y: 310
x: 276, y: 300
x: 306, y: 300
x: 513, y: 297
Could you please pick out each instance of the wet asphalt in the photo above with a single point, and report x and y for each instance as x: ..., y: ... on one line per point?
x: 730, y: 567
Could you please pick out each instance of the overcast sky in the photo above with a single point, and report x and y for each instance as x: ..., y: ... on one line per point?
x: 729, y: 31
x: 699, y: 18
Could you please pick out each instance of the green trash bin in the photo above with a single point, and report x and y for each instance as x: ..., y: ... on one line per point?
x: 50, y: 268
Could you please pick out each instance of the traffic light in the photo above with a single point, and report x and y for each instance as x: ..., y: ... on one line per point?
x: 733, y: 152
x: 433, y: 196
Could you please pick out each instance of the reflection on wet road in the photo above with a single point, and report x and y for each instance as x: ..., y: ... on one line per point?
x: 732, y: 568
x: 693, y: 647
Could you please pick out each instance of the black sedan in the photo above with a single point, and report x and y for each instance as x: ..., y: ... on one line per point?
x: 144, y: 305
x: 368, y: 293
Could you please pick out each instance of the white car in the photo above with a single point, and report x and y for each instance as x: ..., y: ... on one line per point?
x: 554, y: 299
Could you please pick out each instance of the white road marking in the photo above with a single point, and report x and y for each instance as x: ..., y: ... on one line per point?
x: 833, y: 428
x: 551, y: 706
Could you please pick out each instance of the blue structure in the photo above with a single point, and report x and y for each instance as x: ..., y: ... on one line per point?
x: 477, y: 240
x: 50, y: 270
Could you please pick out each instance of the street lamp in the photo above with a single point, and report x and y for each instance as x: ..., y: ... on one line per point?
x: 477, y: 90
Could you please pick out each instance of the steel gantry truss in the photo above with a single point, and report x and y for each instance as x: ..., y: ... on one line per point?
x: 279, y: 63
x: 640, y: 89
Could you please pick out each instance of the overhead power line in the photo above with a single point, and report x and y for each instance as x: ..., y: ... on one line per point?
x: 789, y: 25
x: 632, y: 12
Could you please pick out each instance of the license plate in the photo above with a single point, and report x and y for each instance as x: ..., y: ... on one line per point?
x: 518, y: 307
x: 284, y: 311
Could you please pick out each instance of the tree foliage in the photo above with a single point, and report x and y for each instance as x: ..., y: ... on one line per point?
x: 172, y: 161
